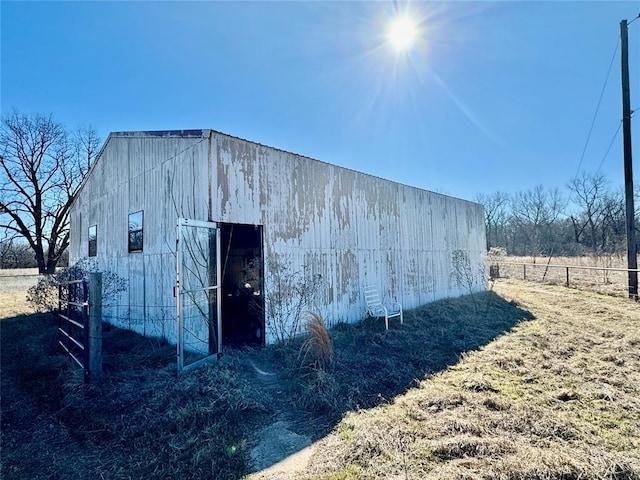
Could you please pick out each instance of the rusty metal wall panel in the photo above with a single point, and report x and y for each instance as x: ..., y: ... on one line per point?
x: 153, y: 193
x: 237, y: 188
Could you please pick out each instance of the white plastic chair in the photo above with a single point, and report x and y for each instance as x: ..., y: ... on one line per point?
x: 377, y: 309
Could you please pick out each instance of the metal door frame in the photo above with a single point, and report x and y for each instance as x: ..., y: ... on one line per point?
x: 181, y: 224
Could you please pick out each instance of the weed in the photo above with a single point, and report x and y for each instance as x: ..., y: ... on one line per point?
x: 352, y: 472
x: 316, y: 351
x: 467, y: 276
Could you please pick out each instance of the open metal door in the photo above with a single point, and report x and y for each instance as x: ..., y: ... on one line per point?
x: 199, y: 324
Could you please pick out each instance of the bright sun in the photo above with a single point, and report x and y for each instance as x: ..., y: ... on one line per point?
x: 402, y: 33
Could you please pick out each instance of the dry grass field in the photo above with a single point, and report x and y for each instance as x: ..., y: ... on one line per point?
x: 13, y: 286
x: 13, y: 303
x: 530, y: 381
x: 17, y: 278
x: 558, y: 397
x: 552, y: 270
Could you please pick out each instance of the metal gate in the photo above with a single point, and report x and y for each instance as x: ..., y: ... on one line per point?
x: 199, y: 324
x: 80, y: 324
x: 73, y: 329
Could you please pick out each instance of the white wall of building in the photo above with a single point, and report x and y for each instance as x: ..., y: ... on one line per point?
x: 351, y: 228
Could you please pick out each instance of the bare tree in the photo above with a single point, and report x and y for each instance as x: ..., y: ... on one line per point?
x: 16, y: 255
x: 496, y: 215
x: 588, y: 193
x: 41, y: 167
x: 535, y: 212
x: 612, y: 230
x: 533, y: 222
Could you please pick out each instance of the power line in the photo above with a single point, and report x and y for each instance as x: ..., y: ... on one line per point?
x: 595, y: 115
x: 615, y: 135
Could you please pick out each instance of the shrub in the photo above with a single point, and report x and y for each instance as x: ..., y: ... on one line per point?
x: 467, y: 276
x: 43, y: 296
x: 291, y: 293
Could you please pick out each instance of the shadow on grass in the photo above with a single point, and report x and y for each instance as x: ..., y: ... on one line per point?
x: 146, y: 422
x: 372, y: 366
x: 28, y: 357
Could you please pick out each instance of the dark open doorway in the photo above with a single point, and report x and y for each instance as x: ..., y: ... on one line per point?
x: 242, y: 264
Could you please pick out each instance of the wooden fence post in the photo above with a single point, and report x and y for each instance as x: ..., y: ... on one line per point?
x: 567, y: 277
x: 95, y: 328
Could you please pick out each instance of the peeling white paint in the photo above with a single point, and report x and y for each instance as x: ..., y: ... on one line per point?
x: 350, y: 227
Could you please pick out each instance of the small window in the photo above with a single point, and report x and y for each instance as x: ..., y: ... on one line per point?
x: 93, y: 240
x: 135, y: 231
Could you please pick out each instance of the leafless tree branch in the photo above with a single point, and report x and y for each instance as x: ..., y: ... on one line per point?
x: 41, y: 168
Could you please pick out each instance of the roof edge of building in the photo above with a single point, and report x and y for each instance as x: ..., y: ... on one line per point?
x: 205, y: 133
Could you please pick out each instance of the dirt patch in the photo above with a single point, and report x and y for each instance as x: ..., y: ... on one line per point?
x: 276, y: 448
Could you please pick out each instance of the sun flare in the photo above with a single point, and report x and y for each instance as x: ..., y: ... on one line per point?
x: 402, y: 33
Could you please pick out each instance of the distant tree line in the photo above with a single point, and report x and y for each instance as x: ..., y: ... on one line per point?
x: 587, y: 219
x: 18, y: 254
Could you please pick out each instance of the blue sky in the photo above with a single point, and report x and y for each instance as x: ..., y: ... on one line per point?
x: 494, y: 96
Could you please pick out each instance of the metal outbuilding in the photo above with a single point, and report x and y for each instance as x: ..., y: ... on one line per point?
x: 242, y: 228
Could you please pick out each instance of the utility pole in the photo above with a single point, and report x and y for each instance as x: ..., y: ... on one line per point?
x: 632, y: 255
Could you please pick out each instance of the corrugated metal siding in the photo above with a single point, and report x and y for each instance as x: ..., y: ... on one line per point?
x: 348, y: 227
x: 164, y: 177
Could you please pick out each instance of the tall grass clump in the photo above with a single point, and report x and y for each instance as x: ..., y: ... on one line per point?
x: 316, y: 352
x: 315, y: 382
